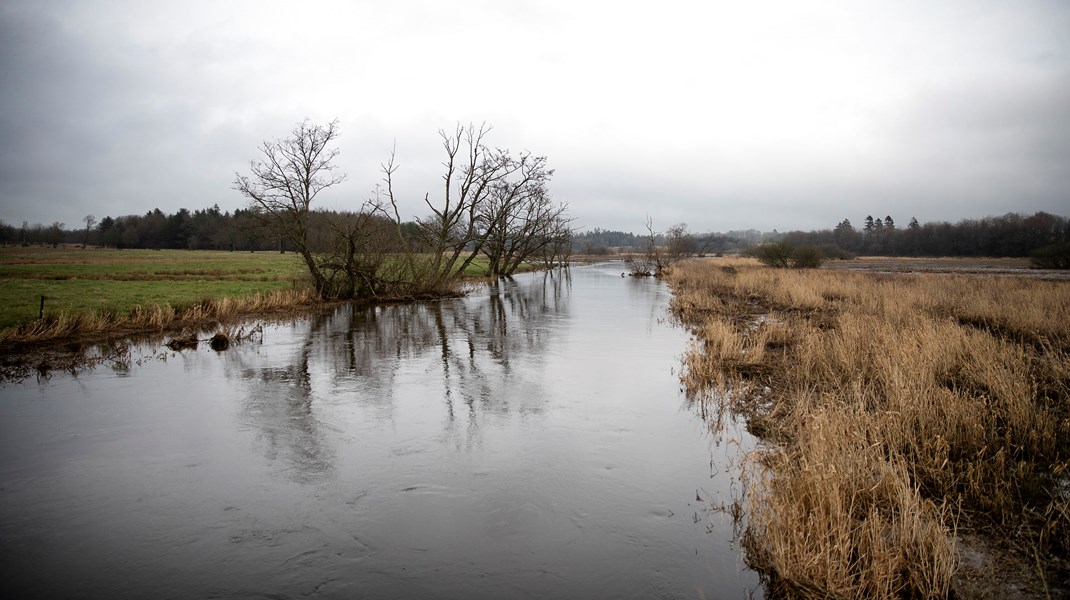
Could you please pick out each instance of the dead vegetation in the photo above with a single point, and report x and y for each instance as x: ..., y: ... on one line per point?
x: 221, y: 340
x: 79, y: 355
x: 64, y: 325
x: 67, y: 342
x: 902, y: 413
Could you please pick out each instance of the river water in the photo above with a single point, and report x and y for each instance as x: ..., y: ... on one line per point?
x: 530, y: 440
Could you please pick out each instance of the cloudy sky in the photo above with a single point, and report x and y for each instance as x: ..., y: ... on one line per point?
x: 723, y: 115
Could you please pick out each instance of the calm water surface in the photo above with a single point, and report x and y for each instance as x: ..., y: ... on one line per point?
x: 530, y: 440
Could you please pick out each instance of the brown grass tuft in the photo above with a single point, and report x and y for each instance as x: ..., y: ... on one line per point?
x: 156, y: 318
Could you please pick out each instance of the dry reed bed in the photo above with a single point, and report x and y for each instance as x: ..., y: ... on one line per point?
x: 896, y: 409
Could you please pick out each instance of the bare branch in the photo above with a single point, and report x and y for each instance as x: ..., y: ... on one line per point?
x: 288, y: 177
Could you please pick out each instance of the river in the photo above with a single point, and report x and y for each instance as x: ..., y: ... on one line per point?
x: 530, y: 440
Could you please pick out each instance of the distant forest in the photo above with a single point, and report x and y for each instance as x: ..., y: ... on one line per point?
x: 1010, y: 235
x: 208, y: 229
x: 601, y: 242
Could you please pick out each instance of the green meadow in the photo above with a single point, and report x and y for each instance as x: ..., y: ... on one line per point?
x: 76, y: 281
x: 108, y: 281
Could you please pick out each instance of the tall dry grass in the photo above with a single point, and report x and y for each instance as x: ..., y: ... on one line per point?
x: 155, y: 318
x: 894, y: 406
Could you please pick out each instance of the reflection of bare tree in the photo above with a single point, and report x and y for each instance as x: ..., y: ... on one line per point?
x: 481, y: 355
x: 279, y: 404
x: 507, y: 321
x: 487, y: 350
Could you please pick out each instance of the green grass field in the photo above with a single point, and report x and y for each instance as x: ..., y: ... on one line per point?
x: 77, y: 280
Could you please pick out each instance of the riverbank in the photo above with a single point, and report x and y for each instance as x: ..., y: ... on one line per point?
x: 917, y: 425
x: 68, y: 307
x: 71, y: 341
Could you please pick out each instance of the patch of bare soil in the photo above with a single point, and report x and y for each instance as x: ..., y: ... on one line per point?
x: 988, y: 572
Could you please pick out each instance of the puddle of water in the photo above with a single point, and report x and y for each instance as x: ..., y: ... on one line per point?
x: 530, y: 440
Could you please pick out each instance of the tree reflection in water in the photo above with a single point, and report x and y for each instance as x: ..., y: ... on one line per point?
x: 488, y: 348
x: 279, y: 405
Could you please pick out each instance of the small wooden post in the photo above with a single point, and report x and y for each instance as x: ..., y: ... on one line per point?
x: 42, y: 314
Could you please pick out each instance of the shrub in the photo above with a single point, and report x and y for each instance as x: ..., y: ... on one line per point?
x: 834, y: 252
x: 1052, y: 256
x: 773, y: 254
x: 807, y: 257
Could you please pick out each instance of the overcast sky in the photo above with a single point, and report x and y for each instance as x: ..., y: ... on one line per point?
x: 722, y: 115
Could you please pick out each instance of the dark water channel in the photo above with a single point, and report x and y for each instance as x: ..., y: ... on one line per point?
x: 530, y: 440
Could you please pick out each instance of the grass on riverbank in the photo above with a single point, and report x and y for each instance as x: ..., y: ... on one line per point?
x: 900, y: 412
x: 87, y: 284
x: 98, y: 291
x: 157, y: 317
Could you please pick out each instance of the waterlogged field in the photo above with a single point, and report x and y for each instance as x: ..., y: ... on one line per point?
x: 77, y: 281
x: 917, y: 425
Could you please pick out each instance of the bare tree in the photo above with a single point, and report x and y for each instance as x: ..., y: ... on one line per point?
x: 558, y: 248
x: 286, y: 179
x: 493, y: 203
x: 55, y: 234
x: 518, y: 218
x: 453, y: 228
x: 650, y: 262
x: 358, y: 246
x: 90, y: 220
x: 679, y: 243
x: 6, y: 233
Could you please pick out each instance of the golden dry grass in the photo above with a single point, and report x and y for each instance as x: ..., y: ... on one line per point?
x: 895, y: 407
x: 155, y: 318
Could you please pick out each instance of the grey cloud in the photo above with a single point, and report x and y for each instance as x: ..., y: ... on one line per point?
x: 996, y: 144
x: 147, y: 115
x: 84, y: 132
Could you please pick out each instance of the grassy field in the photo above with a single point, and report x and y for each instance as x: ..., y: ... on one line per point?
x: 77, y: 281
x: 86, y: 285
x: 917, y: 426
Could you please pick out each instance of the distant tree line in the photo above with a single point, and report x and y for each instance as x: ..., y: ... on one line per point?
x: 205, y: 229
x: 1044, y: 237
x: 214, y: 229
x: 603, y: 242
x: 1011, y: 235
